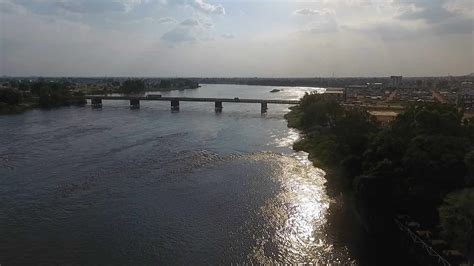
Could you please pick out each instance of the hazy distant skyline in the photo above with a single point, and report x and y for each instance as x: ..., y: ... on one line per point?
x: 205, y: 38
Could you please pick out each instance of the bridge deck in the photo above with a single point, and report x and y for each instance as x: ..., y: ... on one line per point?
x: 189, y: 99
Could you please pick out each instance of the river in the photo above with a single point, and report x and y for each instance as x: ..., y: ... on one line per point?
x: 119, y: 186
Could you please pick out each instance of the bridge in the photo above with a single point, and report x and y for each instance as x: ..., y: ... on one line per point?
x: 96, y: 101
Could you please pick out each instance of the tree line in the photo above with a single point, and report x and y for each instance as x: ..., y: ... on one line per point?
x: 421, y: 164
x: 44, y: 94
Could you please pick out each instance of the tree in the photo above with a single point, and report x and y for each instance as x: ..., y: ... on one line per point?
x: 353, y: 128
x: 10, y: 96
x: 319, y: 111
x: 55, y: 94
x: 133, y: 86
x: 165, y: 83
x: 469, y: 161
x: 457, y: 219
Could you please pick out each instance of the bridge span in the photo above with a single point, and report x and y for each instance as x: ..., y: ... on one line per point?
x: 96, y: 101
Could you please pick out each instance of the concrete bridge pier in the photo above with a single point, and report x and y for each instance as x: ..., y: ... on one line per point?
x: 218, y: 107
x: 264, y: 107
x: 134, y: 104
x: 96, y: 103
x: 174, y: 105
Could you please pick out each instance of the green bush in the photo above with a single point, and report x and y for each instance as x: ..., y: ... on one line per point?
x: 10, y: 96
x: 133, y: 86
x: 457, y: 219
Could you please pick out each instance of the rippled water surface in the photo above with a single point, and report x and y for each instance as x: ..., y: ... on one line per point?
x: 121, y: 186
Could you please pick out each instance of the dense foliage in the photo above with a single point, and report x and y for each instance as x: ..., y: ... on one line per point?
x: 55, y: 94
x: 165, y: 83
x: 10, y: 96
x: 133, y: 86
x: 457, y: 218
x: 45, y: 94
x: 178, y: 83
x: 335, y: 137
x: 407, y: 166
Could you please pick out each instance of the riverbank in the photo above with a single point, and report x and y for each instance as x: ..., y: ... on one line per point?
x: 41, y: 95
x: 397, y: 167
x: 6, y: 109
x: 103, y: 91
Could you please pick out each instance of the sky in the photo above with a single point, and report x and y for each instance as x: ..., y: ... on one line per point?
x: 234, y: 38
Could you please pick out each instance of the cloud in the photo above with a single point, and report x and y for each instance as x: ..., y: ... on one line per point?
x: 228, y: 36
x: 129, y: 5
x: 189, y: 30
x: 386, y: 30
x: 432, y: 11
x: 348, y: 2
x: 306, y: 12
x: 463, y: 7
x: 173, y: 37
x: 441, y: 16
x: 8, y: 7
x: 199, y: 5
x: 179, y: 35
x: 393, y: 30
x: 323, y: 26
x: 207, y: 8
x: 190, y: 22
x: 312, y: 12
x: 166, y: 20
x: 93, y: 6
x: 457, y: 25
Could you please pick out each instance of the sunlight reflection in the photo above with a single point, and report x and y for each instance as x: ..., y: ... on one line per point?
x: 295, y: 93
x: 298, y: 212
x: 288, y: 140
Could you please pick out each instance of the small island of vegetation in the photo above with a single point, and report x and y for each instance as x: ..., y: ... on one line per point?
x: 421, y: 164
x: 18, y: 97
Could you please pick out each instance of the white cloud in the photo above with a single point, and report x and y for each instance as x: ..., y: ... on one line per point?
x: 207, y: 8
x: 95, y: 7
x: 199, y: 5
x: 440, y: 16
x: 129, y: 5
x: 189, y: 30
x: 190, y: 22
x: 179, y: 35
x: 166, y: 20
x: 306, y: 12
x: 312, y: 12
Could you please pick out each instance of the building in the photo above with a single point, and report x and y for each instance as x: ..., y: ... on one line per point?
x: 466, y: 98
x: 375, y: 85
x: 396, y: 81
x: 337, y: 94
x: 467, y: 85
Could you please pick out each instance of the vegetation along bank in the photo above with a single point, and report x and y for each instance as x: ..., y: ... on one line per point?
x: 420, y: 164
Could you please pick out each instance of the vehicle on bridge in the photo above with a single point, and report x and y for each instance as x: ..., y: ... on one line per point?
x: 154, y: 96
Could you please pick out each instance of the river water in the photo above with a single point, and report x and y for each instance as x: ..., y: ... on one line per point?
x: 119, y: 186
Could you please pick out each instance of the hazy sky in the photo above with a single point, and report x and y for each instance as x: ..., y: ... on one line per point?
x: 236, y: 38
